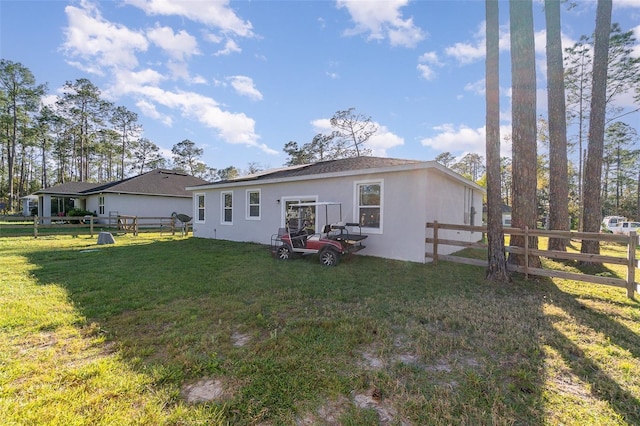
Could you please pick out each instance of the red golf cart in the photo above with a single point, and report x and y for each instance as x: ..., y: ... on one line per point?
x: 300, y: 237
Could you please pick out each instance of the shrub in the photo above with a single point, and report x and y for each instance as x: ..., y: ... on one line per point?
x: 79, y: 212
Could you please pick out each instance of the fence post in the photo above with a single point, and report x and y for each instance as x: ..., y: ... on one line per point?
x: 435, y: 242
x: 135, y: 226
x: 526, y: 252
x: 173, y: 225
x: 35, y: 226
x: 631, y: 267
x: 91, y: 226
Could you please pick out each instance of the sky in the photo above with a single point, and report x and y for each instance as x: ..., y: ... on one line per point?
x: 242, y: 78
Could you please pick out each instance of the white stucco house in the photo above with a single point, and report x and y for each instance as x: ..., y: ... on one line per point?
x: 157, y: 193
x: 392, y: 199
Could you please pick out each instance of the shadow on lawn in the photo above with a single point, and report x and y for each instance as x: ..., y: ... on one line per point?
x: 171, y: 307
x: 603, y: 387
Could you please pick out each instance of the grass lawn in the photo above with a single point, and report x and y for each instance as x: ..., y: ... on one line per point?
x: 167, y: 330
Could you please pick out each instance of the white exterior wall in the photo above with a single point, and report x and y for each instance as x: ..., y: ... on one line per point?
x: 410, y: 198
x: 449, y: 206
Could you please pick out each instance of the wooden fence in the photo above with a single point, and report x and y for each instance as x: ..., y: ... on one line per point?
x: 630, y: 261
x: 76, y: 225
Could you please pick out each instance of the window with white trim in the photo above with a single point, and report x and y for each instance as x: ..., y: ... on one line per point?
x: 369, y: 204
x: 199, y: 207
x: 101, y: 204
x: 253, y: 204
x: 226, y: 202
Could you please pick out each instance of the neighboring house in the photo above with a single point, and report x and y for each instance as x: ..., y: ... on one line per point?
x: 392, y: 199
x: 29, y: 205
x: 506, y: 214
x: 157, y: 193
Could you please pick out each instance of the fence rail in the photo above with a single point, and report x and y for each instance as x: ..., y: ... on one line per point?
x: 76, y: 225
x: 630, y: 261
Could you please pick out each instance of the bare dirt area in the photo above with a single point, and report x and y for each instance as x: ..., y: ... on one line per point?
x: 206, y: 389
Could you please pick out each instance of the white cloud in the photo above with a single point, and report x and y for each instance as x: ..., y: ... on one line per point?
x: 99, y: 43
x: 321, y: 125
x: 382, y: 20
x: 456, y: 139
x: 636, y: 50
x: 178, y: 46
x: 234, y: 128
x: 229, y: 47
x: 49, y: 100
x: 217, y: 14
x: 426, y: 62
x: 244, y: 86
x: 429, y: 57
x: 477, y: 87
x: 462, y: 140
x: 468, y: 52
x: 626, y: 3
x: 93, y: 43
x: 149, y: 109
x: 426, y: 71
x: 383, y: 140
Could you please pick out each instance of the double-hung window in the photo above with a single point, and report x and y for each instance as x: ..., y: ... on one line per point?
x: 101, y: 204
x: 369, y: 205
x: 226, y: 202
x: 253, y: 204
x: 199, y: 207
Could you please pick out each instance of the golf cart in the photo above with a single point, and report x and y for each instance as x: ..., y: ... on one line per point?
x: 300, y: 237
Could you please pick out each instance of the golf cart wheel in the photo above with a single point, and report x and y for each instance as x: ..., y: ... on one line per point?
x: 284, y: 252
x: 329, y: 257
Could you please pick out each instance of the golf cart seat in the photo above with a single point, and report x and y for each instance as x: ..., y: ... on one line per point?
x: 344, y: 234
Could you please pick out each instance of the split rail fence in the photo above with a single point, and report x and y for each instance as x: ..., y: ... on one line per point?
x: 76, y: 225
x: 630, y: 261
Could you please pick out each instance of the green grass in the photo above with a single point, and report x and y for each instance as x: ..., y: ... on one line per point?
x: 116, y: 334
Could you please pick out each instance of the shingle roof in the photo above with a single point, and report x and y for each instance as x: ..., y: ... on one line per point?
x: 344, y: 166
x: 156, y: 182
x: 68, y: 188
x: 331, y: 166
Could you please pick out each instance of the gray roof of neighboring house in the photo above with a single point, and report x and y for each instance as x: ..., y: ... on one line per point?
x: 67, y: 188
x: 157, y: 182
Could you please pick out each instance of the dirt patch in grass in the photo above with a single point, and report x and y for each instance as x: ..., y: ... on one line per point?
x: 239, y: 339
x: 372, y: 399
x: 204, y: 390
x: 329, y: 414
x: 372, y: 361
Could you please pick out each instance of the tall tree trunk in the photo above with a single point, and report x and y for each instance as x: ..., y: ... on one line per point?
x: 497, y: 269
x: 593, y: 169
x: 11, y: 154
x: 43, y: 180
x: 638, y: 198
x: 558, y: 173
x: 524, y: 149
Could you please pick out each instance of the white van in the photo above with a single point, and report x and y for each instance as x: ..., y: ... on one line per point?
x: 611, y: 222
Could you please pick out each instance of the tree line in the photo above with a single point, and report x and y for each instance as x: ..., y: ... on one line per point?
x: 85, y: 138
x: 79, y: 137
x: 582, y: 87
x: 620, y: 189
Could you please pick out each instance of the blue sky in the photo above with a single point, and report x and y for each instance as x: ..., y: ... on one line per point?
x: 242, y: 78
